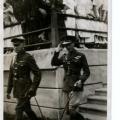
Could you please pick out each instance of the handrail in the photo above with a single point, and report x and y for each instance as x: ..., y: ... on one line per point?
x: 38, y: 44
x: 66, y: 15
x: 61, y: 28
x: 83, y: 30
x: 80, y: 17
x: 28, y: 33
x: 33, y: 45
x: 12, y: 25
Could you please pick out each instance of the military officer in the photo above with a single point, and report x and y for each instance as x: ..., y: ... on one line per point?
x: 20, y: 81
x: 73, y: 63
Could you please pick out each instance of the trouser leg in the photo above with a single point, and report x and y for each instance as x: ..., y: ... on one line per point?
x: 76, y: 116
x: 76, y: 99
x: 66, y: 99
x: 28, y: 110
x: 19, y: 114
x: 19, y: 110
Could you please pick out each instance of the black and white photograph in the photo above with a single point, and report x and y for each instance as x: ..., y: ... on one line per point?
x: 55, y: 63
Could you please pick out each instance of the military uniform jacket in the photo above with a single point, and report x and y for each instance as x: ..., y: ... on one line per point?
x: 73, y: 63
x: 19, y: 75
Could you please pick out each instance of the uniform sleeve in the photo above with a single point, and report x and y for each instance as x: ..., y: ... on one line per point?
x: 94, y: 2
x: 86, y: 70
x: 36, y: 71
x: 10, y: 80
x: 55, y: 60
x: 41, y: 4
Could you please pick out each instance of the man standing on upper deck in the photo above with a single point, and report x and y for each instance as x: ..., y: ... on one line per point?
x: 32, y: 16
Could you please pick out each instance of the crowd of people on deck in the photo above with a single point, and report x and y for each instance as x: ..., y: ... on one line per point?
x: 33, y: 15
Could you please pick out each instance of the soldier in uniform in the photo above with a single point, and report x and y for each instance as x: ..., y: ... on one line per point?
x: 73, y: 63
x: 20, y: 81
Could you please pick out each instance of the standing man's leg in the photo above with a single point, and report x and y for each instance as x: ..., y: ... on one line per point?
x: 76, y: 99
x: 28, y: 110
x: 66, y: 99
x: 19, y: 110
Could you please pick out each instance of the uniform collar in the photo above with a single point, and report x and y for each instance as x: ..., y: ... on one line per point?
x: 72, y: 52
x: 20, y: 53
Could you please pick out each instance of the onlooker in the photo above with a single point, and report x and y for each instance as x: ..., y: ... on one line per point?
x: 32, y: 16
x: 70, y: 9
x: 9, y: 19
x: 100, y: 9
x: 84, y: 8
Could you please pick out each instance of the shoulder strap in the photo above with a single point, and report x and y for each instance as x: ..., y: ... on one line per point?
x: 13, y: 60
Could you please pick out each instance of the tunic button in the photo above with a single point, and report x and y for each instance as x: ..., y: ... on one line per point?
x: 15, y: 68
x: 15, y: 74
x: 15, y: 78
x: 16, y: 63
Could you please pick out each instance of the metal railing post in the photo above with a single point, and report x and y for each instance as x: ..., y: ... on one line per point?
x: 54, y: 27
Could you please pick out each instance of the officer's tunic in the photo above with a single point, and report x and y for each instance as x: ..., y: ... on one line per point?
x: 19, y: 76
x: 72, y: 63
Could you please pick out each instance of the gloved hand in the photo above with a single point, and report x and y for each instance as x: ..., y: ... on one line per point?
x: 43, y: 12
x: 78, y: 86
x: 78, y: 83
x: 59, y: 47
x: 30, y: 93
x: 8, y: 96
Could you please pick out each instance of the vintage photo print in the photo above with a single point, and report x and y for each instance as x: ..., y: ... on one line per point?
x: 55, y: 59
